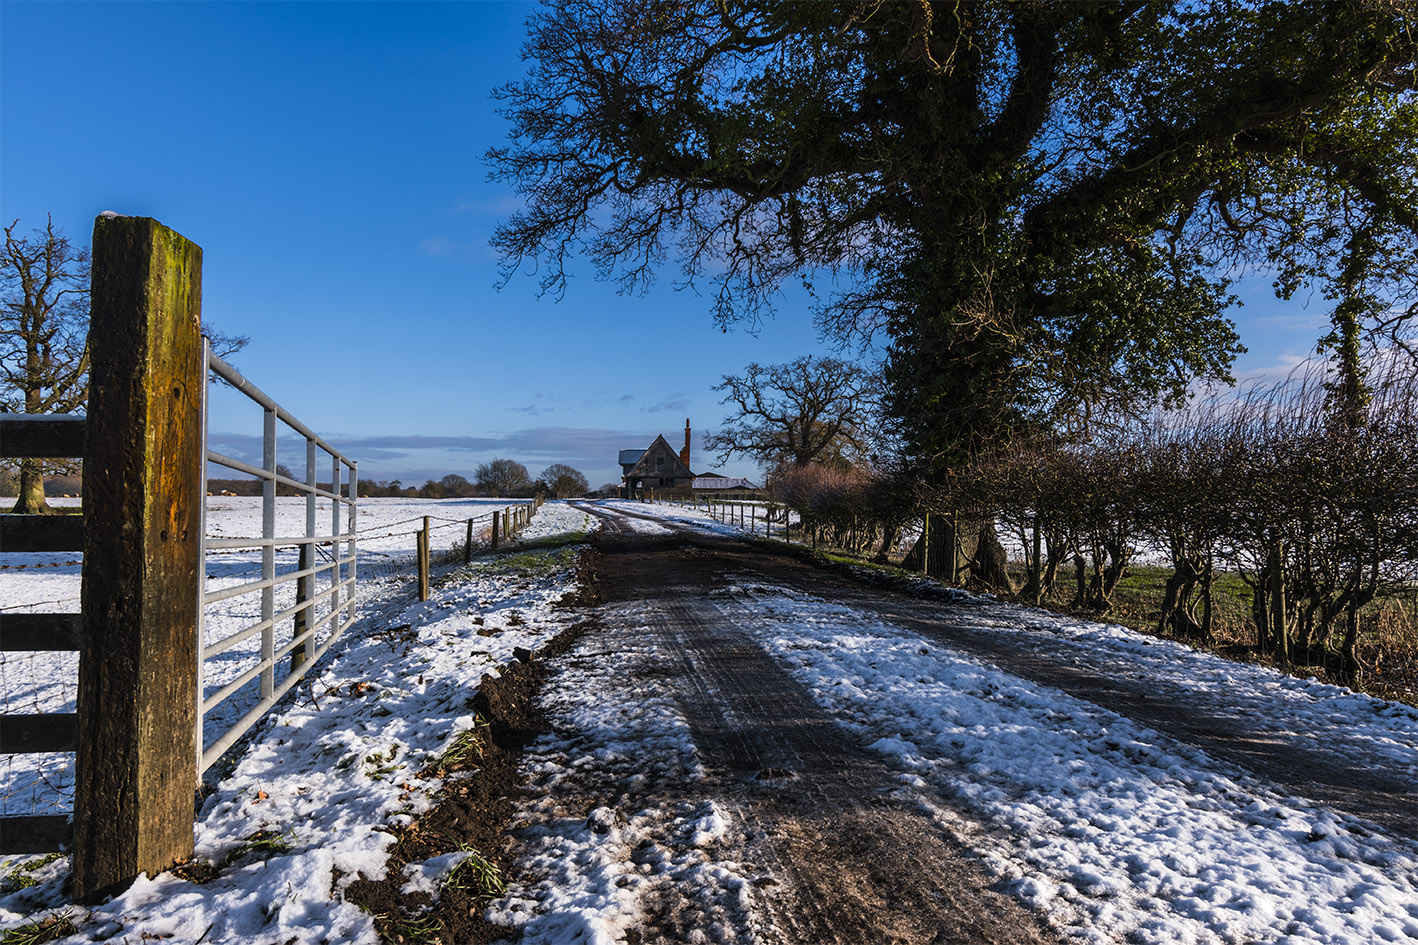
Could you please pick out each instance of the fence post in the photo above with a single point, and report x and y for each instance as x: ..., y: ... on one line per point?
x: 496, y: 521
x: 468, y: 544
x: 302, y: 616
x: 926, y: 544
x: 423, y: 555
x: 1036, y: 569
x: 137, y: 698
x: 306, y: 589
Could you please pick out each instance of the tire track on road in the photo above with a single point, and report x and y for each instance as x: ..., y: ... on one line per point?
x: 850, y: 861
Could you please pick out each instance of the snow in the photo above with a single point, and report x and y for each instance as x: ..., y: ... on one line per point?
x: 339, y: 762
x: 599, y: 872
x: 1113, y: 831
x: 44, y: 682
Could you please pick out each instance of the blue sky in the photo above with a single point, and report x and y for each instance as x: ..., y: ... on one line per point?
x: 328, y: 158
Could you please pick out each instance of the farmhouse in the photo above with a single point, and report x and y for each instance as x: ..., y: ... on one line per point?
x: 657, y: 467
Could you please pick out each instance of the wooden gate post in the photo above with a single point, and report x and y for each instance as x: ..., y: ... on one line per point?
x: 305, y: 616
x: 137, y: 699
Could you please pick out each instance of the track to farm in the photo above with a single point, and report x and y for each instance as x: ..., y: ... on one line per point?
x: 837, y: 857
x: 834, y: 842
x: 1323, y: 766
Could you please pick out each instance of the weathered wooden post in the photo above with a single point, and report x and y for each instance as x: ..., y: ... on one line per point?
x: 137, y: 699
x: 468, y: 544
x: 926, y: 544
x: 1036, y: 567
x: 302, y: 618
x: 424, y: 560
x: 496, y: 521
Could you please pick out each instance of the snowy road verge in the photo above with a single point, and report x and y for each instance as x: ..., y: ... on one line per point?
x: 1117, y: 833
x: 307, y: 807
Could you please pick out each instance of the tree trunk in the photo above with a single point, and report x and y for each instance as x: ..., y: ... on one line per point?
x: 31, y: 501
x: 888, y: 538
x: 1352, y: 669
x: 991, y: 562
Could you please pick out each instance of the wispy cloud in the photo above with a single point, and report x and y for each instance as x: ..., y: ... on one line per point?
x: 409, y: 457
x: 675, y: 403
x: 458, y: 251
x: 497, y: 207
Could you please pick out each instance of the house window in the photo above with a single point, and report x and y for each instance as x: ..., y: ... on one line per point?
x: 659, y: 464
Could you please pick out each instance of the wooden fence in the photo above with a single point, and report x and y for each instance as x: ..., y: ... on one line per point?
x: 141, y: 537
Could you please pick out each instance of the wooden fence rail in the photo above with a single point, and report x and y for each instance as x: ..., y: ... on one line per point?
x: 27, y: 437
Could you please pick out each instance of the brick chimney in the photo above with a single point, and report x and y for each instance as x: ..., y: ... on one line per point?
x: 684, y: 453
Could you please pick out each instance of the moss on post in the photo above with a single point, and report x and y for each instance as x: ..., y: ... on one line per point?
x: 137, y: 757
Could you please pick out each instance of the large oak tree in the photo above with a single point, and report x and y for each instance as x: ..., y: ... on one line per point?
x: 1034, y: 205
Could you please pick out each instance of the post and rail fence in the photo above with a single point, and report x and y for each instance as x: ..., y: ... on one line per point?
x: 931, y: 556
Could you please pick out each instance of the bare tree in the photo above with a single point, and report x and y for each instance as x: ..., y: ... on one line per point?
x: 44, y: 349
x: 811, y: 410
x: 563, y: 481
x: 502, y: 477
x: 455, y: 486
x: 44, y: 354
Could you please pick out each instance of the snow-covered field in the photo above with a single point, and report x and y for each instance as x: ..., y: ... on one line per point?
x: 338, y: 763
x: 45, y: 682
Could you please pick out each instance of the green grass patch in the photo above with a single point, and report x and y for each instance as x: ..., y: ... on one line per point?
x: 51, y: 928
x: 22, y: 876
x: 467, y: 747
x: 423, y: 928
x: 477, y: 876
x: 263, y: 843
x: 381, y: 763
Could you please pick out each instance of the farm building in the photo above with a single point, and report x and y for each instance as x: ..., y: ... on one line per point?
x: 657, y: 467
x: 711, y: 482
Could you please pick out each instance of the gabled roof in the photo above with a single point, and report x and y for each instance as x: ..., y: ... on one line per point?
x: 630, y: 457
x: 674, y: 466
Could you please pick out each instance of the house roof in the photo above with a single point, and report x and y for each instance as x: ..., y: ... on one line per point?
x: 630, y: 457
x: 721, y: 483
x: 674, y: 466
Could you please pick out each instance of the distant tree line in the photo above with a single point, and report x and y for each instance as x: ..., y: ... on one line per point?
x: 502, y: 478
